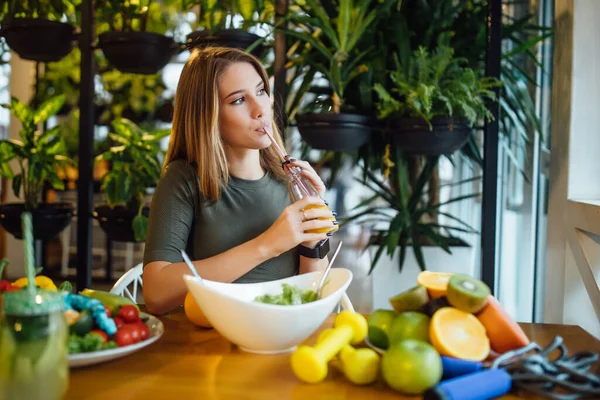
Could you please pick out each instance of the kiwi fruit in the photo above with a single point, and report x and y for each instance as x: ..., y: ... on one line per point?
x: 466, y: 293
x: 411, y: 300
x: 435, y: 304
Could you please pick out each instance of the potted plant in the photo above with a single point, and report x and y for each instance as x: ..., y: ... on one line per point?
x: 127, y: 45
x: 32, y: 28
x: 40, y: 155
x: 330, y: 34
x: 227, y: 23
x: 434, y: 102
x: 135, y: 167
x: 405, y: 213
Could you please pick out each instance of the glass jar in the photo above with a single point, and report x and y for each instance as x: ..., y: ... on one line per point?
x: 33, y: 347
x: 300, y: 187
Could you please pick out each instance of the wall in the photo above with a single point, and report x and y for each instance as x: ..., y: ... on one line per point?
x: 575, y: 146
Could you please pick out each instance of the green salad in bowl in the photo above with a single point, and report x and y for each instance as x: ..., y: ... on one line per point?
x: 291, y: 295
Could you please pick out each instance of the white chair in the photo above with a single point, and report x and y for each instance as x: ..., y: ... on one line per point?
x: 132, y: 278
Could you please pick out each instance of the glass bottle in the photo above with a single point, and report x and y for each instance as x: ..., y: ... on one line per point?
x: 33, y: 346
x: 300, y: 187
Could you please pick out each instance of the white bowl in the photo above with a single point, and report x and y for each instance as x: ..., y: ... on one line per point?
x: 267, y: 328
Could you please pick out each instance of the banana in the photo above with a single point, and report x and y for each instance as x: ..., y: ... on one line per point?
x: 112, y: 301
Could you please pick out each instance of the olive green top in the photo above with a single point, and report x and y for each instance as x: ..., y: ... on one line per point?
x: 180, y: 217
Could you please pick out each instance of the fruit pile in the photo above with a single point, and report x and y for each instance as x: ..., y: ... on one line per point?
x: 124, y: 327
x: 86, y: 331
x: 446, y: 314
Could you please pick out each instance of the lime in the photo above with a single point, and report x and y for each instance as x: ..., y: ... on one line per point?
x: 409, y: 325
x: 379, y: 325
x: 411, y: 366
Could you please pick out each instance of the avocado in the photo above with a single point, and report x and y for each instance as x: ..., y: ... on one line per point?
x: 83, y: 324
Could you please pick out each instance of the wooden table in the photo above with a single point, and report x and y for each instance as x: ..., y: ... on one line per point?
x: 192, y: 363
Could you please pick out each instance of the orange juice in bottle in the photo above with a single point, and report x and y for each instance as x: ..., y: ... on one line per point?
x: 299, y: 187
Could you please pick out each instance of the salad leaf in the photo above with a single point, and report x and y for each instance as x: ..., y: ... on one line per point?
x: 291, y: 295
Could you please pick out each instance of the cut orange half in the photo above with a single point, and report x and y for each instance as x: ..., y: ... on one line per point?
x: 435, y: 282
x: 458, y: 334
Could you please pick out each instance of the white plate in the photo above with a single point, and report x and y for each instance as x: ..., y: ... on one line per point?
x: 95, y: 357
x: 371, y: 345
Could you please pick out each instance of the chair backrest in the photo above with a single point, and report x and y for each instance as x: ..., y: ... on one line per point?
x: 130, y: 279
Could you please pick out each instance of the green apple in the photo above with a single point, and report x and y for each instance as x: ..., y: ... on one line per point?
x: 409, y: 325
x: 379, y: 325
x: 411, y: 366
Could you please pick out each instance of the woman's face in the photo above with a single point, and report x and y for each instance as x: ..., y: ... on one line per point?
x: 245, y: 107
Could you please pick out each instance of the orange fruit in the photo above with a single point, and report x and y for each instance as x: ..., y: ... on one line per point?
x: 504, y: 332
x: 194, y: 313
x: 436, y: 283
x: 458, y: 334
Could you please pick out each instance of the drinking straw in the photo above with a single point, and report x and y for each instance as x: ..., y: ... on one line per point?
x: 285, y: 157
x: 26, y: 226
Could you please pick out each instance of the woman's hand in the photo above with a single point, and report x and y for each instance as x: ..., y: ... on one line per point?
x: 290, y: 228
x: 309, y: 173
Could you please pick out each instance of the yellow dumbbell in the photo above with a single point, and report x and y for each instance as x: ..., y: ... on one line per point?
x: 310, y: 363
x: 360, y: 366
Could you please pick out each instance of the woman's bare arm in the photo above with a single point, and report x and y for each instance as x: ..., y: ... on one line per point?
x: 164, y: 288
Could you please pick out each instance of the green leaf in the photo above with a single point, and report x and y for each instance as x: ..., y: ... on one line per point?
x: 16, y: 184
x: 126, y: 129
x: 140, y: 227
x: 324, y: 23
x: 314, y: 42
x: 6, y: 171
x: 21, y: 111
x: 366, y: 202
x: 376, y: 258
x: 48, y: 108
x: 56, y: 182
x: 524, y: 46
x: 417, y: 249
x: 343, y: 23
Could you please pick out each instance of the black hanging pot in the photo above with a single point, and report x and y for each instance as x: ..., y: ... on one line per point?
x: 336, y: 132
x: 164, y: 112
x: 39, y: 39
x: 234, y: 38
x: 137, y: 52
x: 48, y: 219
x: 446, y: 135
x: 117, y: 222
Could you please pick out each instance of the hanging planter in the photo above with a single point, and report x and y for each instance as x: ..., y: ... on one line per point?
x: 39, y: 39
x: 445, y: 136
x: 335, y: 132
x: 234, y: 38
x: 117, y: 222
x: 49, y: 219
x: 137, y: 52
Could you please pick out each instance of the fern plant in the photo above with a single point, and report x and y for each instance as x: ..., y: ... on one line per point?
x: 328, y: 34
x: 436, y: 84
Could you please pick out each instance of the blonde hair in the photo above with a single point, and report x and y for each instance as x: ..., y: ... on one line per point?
x: 195, y: 135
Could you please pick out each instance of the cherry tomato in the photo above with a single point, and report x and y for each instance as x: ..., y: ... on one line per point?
x: 119, y: 322
x: 100, y: 333
x: 108, y: 313
x: 129, y: 313
x: 144, y: 331
x: 134, y: 331
x: 123, y: 337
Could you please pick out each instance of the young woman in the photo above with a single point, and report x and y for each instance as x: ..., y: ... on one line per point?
x: 223, y: 194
